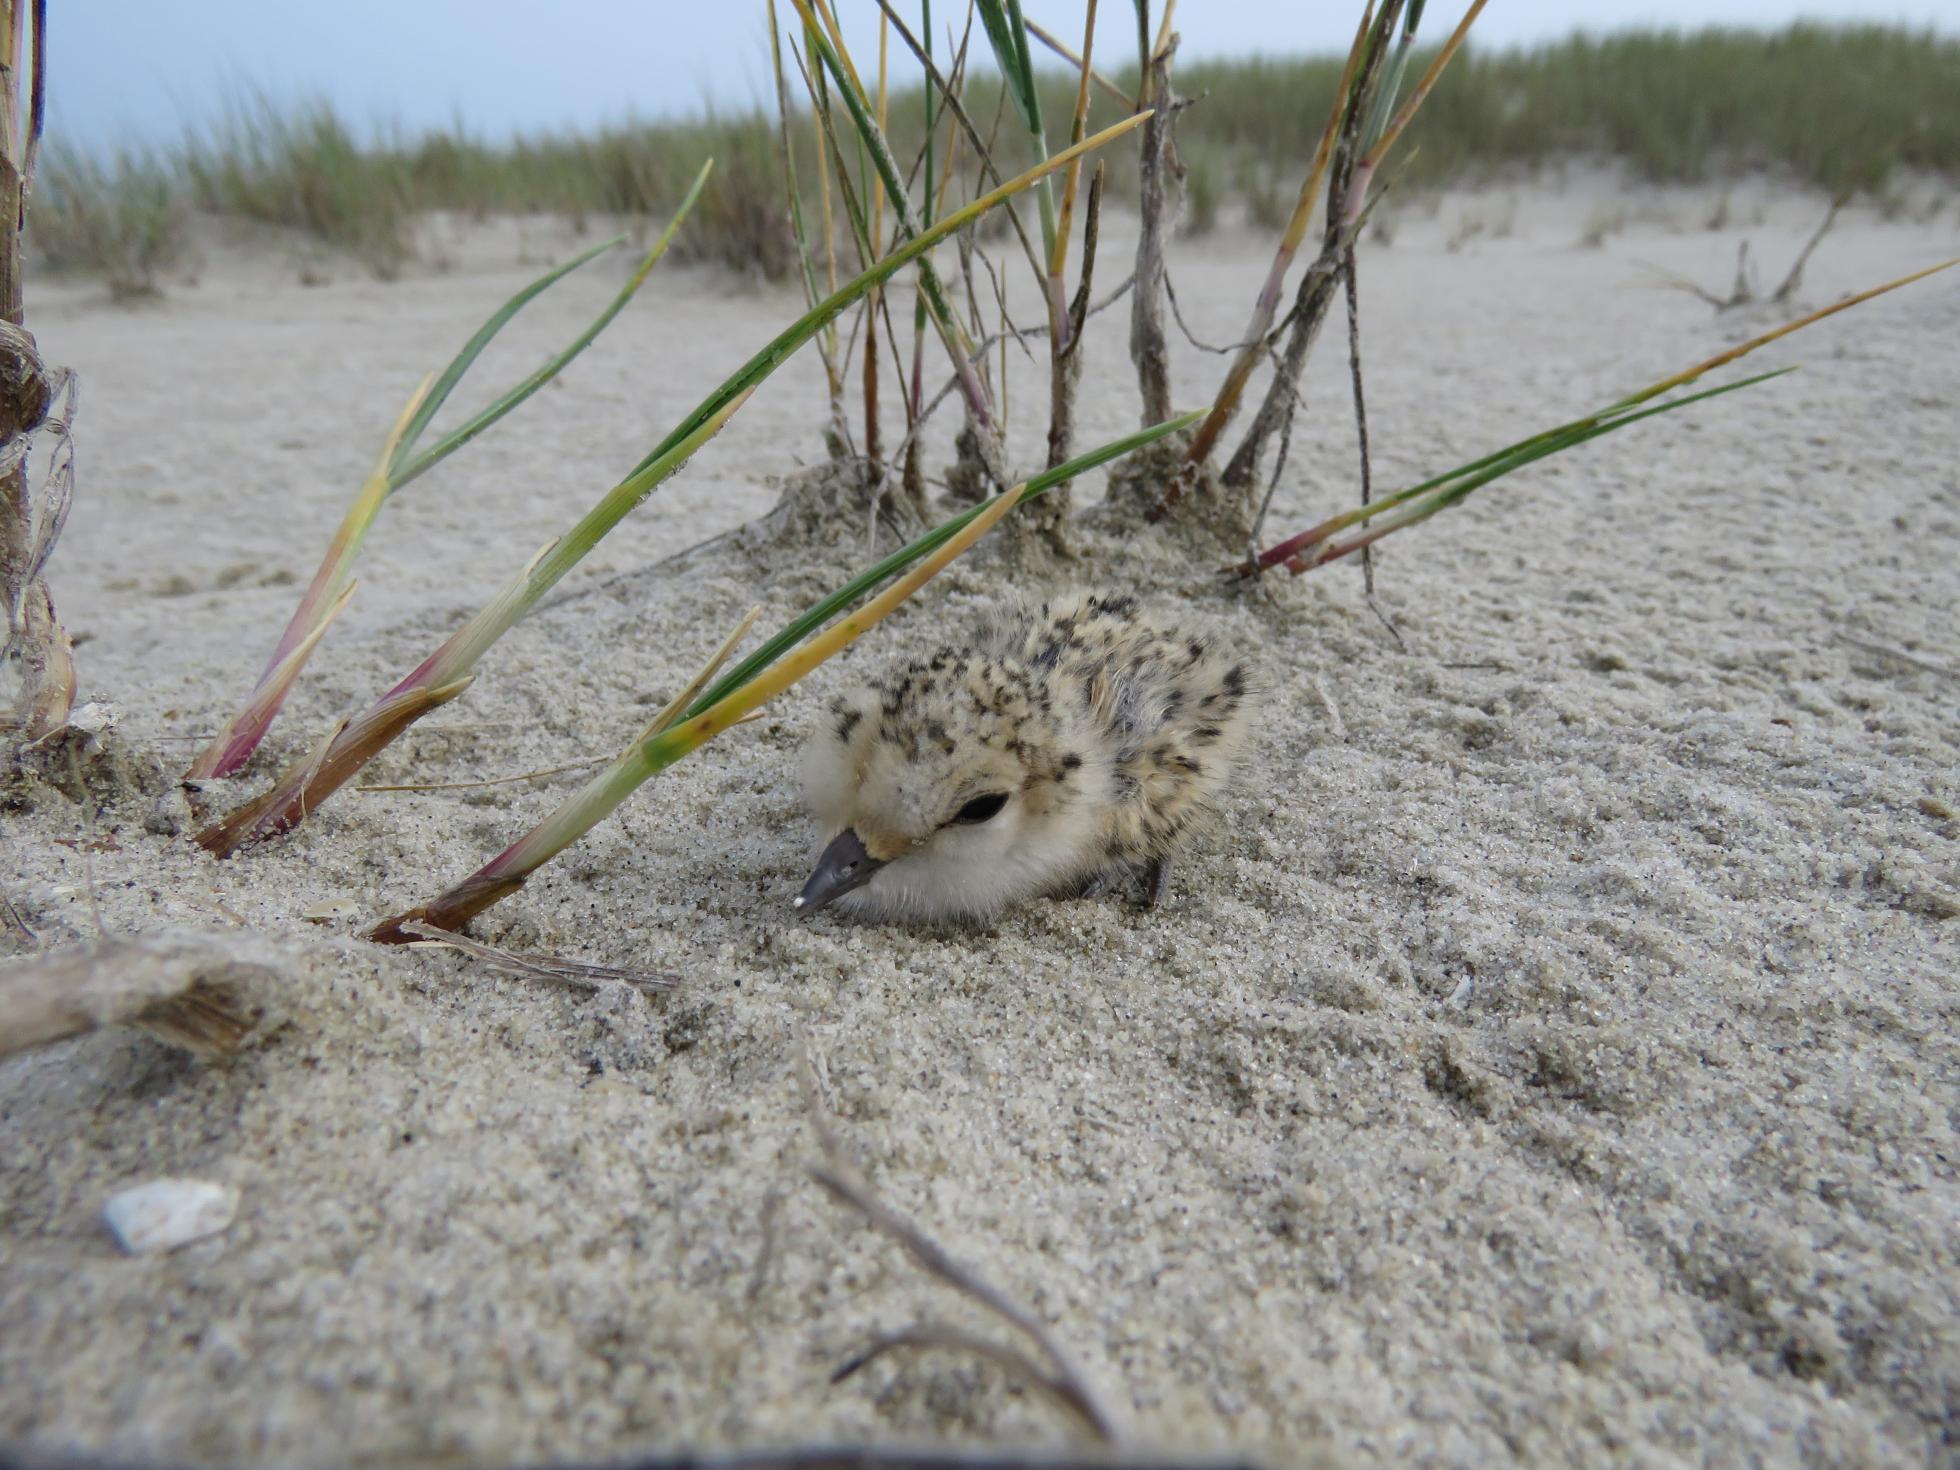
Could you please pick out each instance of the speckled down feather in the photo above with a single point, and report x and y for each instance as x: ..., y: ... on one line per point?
x: 1067, y: 744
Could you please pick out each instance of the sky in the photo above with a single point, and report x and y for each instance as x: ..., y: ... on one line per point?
x: 139, y: 71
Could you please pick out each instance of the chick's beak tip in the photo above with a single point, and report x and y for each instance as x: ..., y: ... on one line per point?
x: 845, y: 865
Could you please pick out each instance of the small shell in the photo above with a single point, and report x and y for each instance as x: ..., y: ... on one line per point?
x: 167, y: 1213
x: 331, y: 909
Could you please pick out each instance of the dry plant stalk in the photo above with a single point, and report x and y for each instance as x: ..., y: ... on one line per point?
x: 185, y: 989
x: 1149, y: 343
x: 402, y: 460
x: 665, y: 742
x: 1066, y: 318
x: 1358, y: 528
x: 1062, y: 1381
x: 47, y: 689
x: 551, y: 969
x: 1346, y: 160
x: 1347, y: 177
x: 447, y: 672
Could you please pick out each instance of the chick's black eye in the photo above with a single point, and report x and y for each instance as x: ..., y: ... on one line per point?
x: 982, y: 808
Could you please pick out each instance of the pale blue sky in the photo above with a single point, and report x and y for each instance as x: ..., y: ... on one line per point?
x: 138, y: 70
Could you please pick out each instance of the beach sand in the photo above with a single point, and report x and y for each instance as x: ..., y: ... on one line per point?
x: 1554, y: 1060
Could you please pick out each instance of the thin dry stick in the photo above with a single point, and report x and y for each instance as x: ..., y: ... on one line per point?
x: 15, y: 921
x: 1065, y: 365
x: 1740, y: 294
x: 1149, y: 343
x: 551, y: 969
x: 1346, y: 214
x: 1177, y: 313
x: 1065, y: 1384
x: 981, y: 146
x: 1010, y: 1360
x: 1267, y: 304
x: 1795, y: 279
x: 1116, y: 94
x: 1361, y: 406
x: 1360, y: 417
x: 585, y: 764
x: 1279, y: 464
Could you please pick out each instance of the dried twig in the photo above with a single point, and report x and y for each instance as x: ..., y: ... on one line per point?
x: 1065, y: 360
x: 15, y: 922
x: 1149, y: 344
x: 1062, y: 1381
x: 1795, y: 279
x: 573, y: 974
x: 1346, y: 214
x: 585, y: 764
x: 1115, y: 93
x: 1361, y: 434
x: 1740, y: 294
x: 1361, y: 418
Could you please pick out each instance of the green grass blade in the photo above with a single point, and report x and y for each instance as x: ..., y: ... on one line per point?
x: 1000, y: 29
x: 792, y: 189
x: 822, y: 612
x: 794, y: 336
x: 1318, y: 545
x: 1007, y: 31
x: 745, y: 690
x: 887, y: 166
x: 925, y: 25
x: 510, y: 400
x: 450, y: 376
x: 1550, y: 441
x: 302, y: 790
x: 1544, y: 446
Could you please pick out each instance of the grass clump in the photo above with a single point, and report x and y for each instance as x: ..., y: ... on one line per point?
x: 634, y: 172
x: 304, y: 169
x: 1834, y: 106
x: 122, y: 220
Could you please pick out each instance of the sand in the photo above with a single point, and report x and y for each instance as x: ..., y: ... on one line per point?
x: 1554, y: 1062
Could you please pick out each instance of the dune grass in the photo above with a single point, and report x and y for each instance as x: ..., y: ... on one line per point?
x: 121, y: 220
x: 304, y: 168
x: 1834, y: 106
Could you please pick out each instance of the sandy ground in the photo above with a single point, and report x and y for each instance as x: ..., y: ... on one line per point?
x: 1556, y: 1062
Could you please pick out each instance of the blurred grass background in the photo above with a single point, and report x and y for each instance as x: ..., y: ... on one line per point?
x: 1835, y: 107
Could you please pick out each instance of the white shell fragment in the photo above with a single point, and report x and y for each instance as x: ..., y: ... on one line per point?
x: 167, y: 1213
x: 92, y: 718
x: 329, y: 910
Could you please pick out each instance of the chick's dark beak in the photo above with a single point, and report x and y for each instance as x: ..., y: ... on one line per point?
x: 844, y: 865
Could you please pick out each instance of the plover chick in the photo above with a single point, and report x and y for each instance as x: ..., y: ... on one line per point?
x: 1070, y: 745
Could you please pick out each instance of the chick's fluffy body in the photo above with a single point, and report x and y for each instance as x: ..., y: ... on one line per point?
x: 1113, y: 738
